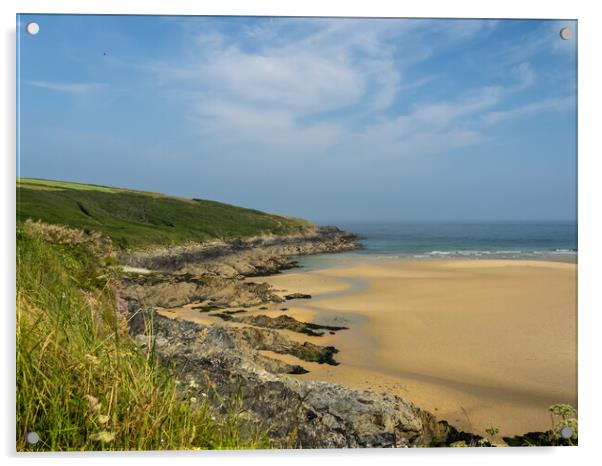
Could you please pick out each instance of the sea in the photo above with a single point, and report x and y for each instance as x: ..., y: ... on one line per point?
x: 549, y: 240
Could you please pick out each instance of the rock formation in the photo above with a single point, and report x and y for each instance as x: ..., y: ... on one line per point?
x: 225, y: 359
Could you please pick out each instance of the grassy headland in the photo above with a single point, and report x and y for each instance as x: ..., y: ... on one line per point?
x: 82, y: 383
x: 137, y: 219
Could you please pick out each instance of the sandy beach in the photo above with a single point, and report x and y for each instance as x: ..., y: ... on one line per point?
x: 476, y: 342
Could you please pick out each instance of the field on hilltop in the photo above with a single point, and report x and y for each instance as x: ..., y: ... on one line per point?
x: 136, y: 219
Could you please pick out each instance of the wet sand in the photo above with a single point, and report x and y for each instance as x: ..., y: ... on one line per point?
x: 477, y: 342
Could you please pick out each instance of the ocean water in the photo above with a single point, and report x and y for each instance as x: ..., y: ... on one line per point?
x: 436, y: 240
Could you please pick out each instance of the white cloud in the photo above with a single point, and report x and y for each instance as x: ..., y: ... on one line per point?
x: 312, y: 87
x: 442, y: 113
x: 332, y: 67
x: 303, y: 82
x: 238, y: 125
x: 462, y: 29
x: 524, y: 75
x: 548, y: 105
x: 430, y: 128
x: 69, y: 88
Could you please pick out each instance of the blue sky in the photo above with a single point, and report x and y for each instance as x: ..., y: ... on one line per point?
x: 328, y: 119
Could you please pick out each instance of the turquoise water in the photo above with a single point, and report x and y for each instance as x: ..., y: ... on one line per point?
x: 432, y: 240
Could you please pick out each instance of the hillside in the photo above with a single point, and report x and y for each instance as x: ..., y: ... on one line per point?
x: 82, y: 383
x: 135, y: 219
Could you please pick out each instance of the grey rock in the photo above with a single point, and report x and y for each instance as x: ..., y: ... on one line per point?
x: 298, y: 413
x: 255, y: 256
x: 297, y: 296
x: 287, y: 323
x: 167, y: 290
x: 227, y: 358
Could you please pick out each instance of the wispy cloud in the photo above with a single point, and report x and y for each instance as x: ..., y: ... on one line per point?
x: 547, y: 105
x: 525, y: 76
x: 292, y: 87
x: 234, y: 125
x: 442, y: 113
x: 68, y: 88
x: 326, y: 83
x: 343, y: 118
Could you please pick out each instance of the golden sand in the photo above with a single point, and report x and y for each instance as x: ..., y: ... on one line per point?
x: 476, y: 342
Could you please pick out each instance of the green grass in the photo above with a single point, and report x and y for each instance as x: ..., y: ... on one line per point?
x: 137, y: 219
x: 82, y: 384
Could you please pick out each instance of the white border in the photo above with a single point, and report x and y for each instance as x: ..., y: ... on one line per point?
x: 590, y: 230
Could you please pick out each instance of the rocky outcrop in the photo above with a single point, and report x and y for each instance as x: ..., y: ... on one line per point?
x: 224, y: 359
x: 297, y: 296
x: 160, y: 289
x: 288, y: 323
x: 544, y: 439
x: 270, y: 340
x: 255, y: 256
x: 181, y: 275
x: 298, y: 413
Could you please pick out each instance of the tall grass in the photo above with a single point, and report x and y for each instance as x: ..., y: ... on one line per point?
x: 82, y: 384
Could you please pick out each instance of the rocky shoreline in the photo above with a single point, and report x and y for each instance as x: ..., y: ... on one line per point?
x: 255, y: 256
x: 230, y: 357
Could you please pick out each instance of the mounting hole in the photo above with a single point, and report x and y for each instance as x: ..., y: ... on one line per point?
x: 32, y: 28
x: 566, y: 432
x: 32, y: 438
x: 566, y: 33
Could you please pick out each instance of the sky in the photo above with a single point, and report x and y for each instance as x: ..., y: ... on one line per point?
x: 323, y: 118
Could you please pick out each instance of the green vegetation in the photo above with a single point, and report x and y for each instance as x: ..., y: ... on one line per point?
x: 564, y: 431
x: 82, y: 384
x: 564, y: 416
x: 492, y: 431
x: 137, y: 219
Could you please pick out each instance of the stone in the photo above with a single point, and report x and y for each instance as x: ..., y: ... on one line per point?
x: 288, y: 323
x: 297, y: 296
